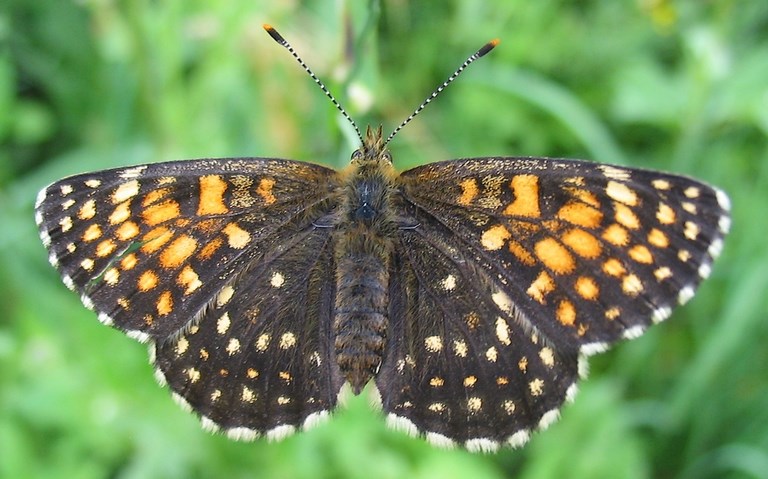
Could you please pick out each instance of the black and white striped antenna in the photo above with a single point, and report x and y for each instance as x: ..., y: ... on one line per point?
x: 279, y: 39
x: 483, y: 51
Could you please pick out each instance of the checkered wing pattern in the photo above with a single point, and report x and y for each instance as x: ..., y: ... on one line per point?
x: 149, y: 247
x: 260, y: 361
x: 517, y: 270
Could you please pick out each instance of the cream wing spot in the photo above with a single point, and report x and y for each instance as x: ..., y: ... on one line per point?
x: 277, y: 280
x: 433, y: 344
x: 222, y: 325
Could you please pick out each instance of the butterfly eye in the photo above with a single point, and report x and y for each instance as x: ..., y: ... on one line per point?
x: 387, y: 156
x: 357, y: 155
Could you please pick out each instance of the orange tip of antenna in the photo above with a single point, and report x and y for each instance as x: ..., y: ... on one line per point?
x: 267, y: 27
x: 487, y: 47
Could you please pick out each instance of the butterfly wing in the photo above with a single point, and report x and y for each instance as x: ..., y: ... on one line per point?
x: 551, y: 260
x: 149, y: 247
x: 260, y: 360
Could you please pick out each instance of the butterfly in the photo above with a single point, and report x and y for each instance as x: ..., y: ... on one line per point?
x: 467, y: 293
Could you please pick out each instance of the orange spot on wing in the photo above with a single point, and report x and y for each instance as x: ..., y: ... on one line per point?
x: 160, y: 212
x: 665, y: 214
x: 525, y: 189
x: 155, y: 196
x: 128, y: 262
x: 237, y: 237
x: 582, y: 243
x: 155, y: 239
x: 265, y: 190
x: 580, y: 214
x: 207, y: 251
x: 165, y: 303
x: 189, y: 279
x: 176, y: 253
x: 127, y: 231
x: 613, y: 267
x: 105, y: 248
x: 540, y: 287
x: 566, y: 313
x: 468, y: 191
x: 212, y: 188
x: 587, y: 288
x: 148, y: 280
x: 92, y: 233
x: 121, y: 213
x: 555, y: 256
x: 521, y: 253
x: 658, y: 238
x: 641, y: 254
x: 617, y: 235
x: 625, y: 216
x: 494, y: 237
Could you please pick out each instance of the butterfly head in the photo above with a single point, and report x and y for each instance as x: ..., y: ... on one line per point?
x: 373, y: 150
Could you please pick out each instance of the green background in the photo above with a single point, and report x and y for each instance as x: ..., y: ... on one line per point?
x: 680, y: 86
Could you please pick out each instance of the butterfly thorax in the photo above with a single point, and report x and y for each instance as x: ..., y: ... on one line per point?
x: 364, y: 245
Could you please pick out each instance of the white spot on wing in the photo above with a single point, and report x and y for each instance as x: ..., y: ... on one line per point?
x: 160, y: 377
x: 87, y: 302
x: 45, y: 238
x: 723, y: 200
x: 41, y: 197
x: 685, y: 294
x: 591, y: 349
x: 280, y: 432
x: 715, y: 248
x: 277, y: 280
x: 38, y: 218
x: 583, y: 366
x: 481, y: 444
x: 633, y: 332
x: 613, y: 172
x: 519, y: 438
x: 438, y: 440
x: 129, y: 173
x: 570, y: 393
x: 704, y: 270
x: 660, y: 314
x: 724, y: 224
x: 315, y: 419
x: 68, y: 282
x: 399, y: 423
x: 374, y: 398
x: 183, y: 404
x: 105, y: 319
x: 242, y: 434
x: 139, y: 336
x: 449, y: 283
x: 548, y: 418
x: 209, y: 425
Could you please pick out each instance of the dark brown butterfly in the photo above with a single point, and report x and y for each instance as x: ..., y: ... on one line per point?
x: 469, y: 290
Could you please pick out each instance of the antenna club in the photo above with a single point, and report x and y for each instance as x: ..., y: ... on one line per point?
x: 273, y: 33
x: 488, y: 47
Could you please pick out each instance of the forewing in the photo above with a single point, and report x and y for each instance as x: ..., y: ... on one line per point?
x: 587, y: 253
x: 148, y: 247
x: 259, y: 361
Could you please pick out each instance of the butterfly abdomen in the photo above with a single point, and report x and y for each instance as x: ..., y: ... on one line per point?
x: 363, y: 252
x: 360, y: 319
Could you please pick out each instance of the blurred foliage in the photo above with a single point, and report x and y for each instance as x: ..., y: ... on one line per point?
x: 93, y: 84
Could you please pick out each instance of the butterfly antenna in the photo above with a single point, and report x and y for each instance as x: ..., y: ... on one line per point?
x: 279, y: 39
x: 485, y: 49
